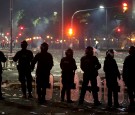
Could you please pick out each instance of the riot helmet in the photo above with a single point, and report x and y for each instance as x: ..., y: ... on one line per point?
x: 132, y: 50
x: 69, y: 52
x: 110, y: 53
x: 24, y: 44
x: 44, y: 47
x: 89, y: 51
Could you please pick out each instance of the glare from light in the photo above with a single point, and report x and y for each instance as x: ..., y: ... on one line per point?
x: 101, y: 7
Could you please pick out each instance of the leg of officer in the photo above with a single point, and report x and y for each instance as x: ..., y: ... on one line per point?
x: 38, y: 88
x: 83, y: 90
x: 95, y: 91
x: 109, y: 97
x: 23, y: 84
x: 131, y: 96
x: 29, y: 84
x: 68, y: 92
x: 115, y: 95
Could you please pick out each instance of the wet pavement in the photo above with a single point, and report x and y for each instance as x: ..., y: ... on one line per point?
x: 14, y: 104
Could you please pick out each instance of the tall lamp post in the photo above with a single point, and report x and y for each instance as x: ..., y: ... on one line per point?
x: 106, y: 16
x: 78, y: 11
x: 11, y: 25
x: 62, y: 26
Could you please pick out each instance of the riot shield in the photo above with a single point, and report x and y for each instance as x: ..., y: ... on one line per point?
x: 49, y: 91
x: 74, y: 92
x: 88, y: 96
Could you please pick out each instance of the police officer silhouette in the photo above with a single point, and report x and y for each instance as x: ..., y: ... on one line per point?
x: 68, y: 66
x: 2, y: 59
x: 129, y: 74
x: 24, y: 58
x: 44, y: 62
x: 111, y: 74
x: 90, y: 66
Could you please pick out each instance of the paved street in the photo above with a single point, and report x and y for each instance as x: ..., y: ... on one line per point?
x: 15, y: 104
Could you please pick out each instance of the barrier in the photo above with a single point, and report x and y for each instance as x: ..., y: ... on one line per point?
x: 9, y: 64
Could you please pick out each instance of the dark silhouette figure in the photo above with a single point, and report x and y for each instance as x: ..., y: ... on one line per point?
x: 2, y: 59
x: 68, y: 66
x: 44, y: 62
x: 129, y: 74
x: 90, y: 66
x: 111, y: 74
x: 24, y: 58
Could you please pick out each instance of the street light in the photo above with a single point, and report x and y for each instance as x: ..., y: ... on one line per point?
x: 78, y: 11
x: 11, y: 25
x: 100, y: 7
x: 62, y: 26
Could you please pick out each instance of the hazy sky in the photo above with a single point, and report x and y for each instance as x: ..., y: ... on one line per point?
x: 42, y: 7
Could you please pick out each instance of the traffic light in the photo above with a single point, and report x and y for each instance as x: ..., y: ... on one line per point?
x: 124, y: 6
x: 118, y: 30
x: 21, y: 27
x: 7, y: 33
x: 20, y: 34
x: 70, y: 31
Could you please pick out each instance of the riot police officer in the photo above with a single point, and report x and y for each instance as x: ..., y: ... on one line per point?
x: 90, y: 66
x: 2, y: 59
x: 129, y: 74
x: 24, y: 58
x: 44, y: 62
x: 68, y: 66
x: 111, y: 74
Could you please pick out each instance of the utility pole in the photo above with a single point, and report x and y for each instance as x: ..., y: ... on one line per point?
x: 11, y: 25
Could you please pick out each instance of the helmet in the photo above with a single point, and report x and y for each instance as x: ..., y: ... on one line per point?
x: 132, y: 50
x: 89, y: 50
x: 24, y: 44
x: 69, y: 52
x: 110, y: 52
x: 44, y: 46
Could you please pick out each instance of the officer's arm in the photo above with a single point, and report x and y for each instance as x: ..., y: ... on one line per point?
x: 34, y: 61
x: 16, y: 57
x: 3, y: 58
x: 61, y: 64
x: 124, y: 72
x: 98, y: 65
x: 74, y: 65
x: 31, y: 57
x: 117, y: 70
x: 82, y: 64
x: 51, y: 62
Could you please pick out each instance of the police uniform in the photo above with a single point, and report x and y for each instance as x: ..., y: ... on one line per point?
x: 44, y: 62
x: 111, y: 74
x: 90, y: 66
x: 24, y: 58
x: 68, y: 66
x: 129, y: 74
x: 2, y: 59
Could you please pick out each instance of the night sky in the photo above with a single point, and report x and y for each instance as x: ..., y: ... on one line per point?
x: 45, y: 7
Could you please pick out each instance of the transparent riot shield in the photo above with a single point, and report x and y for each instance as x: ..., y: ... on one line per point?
x: 88, y: 96
x: 49, y: 91
x: 120, y: 93
x: 74, y: 92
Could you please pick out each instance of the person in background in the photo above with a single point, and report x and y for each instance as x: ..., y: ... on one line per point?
x: 2, y: 59
x: 129, y: 75
x: 68, y: 66
x: 111, y: 74
x: 44, y: 62
x: 24, y: 58
x: 90, y: 66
